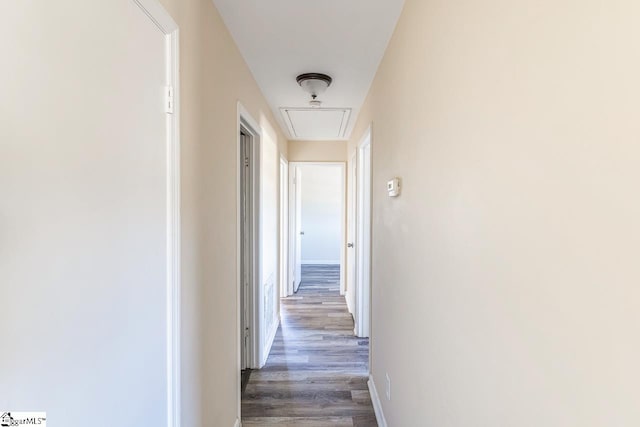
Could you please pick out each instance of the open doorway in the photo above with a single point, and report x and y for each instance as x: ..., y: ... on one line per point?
x: 317, y: 220
x: 248, y: 246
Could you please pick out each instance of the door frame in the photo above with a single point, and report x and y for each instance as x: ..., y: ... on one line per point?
x: 343, y: 215
x: 284, y: 227
x: 163, y: 20
x: 246, y: 123
x: 352, y: 225
x: 363, y: 236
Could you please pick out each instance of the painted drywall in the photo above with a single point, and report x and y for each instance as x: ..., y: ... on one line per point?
x: 282, y: 38
x: 505, y: 277
x: 269, y: 226
x: 317, y: 151
x: 322, y: 192
x: 83, y: 213
x: 213, y: 79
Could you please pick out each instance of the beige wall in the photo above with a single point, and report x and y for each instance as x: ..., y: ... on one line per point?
x: 83, y: 212
x: 505, y: 277
x: 214, y: 78
x: 76, y: 189
x: 317, y: 151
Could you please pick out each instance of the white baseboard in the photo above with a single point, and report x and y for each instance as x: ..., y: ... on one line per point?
x: 375, y: 400
x: 270, y: 338
x: 237, y: 423
x: 320, y: 262
x: 350, y: 307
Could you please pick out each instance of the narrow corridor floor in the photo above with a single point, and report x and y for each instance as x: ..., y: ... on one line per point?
x: 316, y: 374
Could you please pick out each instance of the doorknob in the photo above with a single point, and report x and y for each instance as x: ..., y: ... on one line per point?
x: 302, y: 233
x: 349, y: 245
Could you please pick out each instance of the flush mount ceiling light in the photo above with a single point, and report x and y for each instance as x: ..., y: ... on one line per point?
x: 315, y: 84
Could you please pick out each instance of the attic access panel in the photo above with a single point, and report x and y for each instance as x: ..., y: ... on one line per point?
x: 317, y: 123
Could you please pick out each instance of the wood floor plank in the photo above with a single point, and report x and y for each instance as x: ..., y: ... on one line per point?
x: 298, y: 421
x: 316, y: 374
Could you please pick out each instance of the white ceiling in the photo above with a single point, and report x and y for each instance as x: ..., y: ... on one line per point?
x: 280, y: 39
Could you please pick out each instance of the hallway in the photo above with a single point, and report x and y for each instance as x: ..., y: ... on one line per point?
x: 316, y: 374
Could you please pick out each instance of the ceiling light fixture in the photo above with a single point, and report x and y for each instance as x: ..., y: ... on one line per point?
x: 315, y: 84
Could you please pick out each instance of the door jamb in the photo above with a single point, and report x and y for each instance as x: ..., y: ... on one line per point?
x: 163, y: 20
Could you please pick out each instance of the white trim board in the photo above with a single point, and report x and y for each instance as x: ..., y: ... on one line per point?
x: 269, y: 343
x: 375, y: 400
x: 237, y: 423
x: 158, y: 14
x: 165, y: 23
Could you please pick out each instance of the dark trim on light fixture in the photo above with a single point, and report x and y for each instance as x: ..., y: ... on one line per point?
x: 314, y: 76
x: 315, y: 84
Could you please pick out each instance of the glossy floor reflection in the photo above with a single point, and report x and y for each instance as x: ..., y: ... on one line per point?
x: 316, y: 374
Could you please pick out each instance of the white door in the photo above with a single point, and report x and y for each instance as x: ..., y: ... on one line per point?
x: 299, y: 232
x: 351, y: 235
x: 284, y: 224
x: 83, y: 252
x: 295, y: 237
x: 363, y: 243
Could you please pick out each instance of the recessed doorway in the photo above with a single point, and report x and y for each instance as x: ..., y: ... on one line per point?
x: 249, y: 294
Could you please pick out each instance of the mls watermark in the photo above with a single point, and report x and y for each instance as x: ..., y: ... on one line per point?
x: 12, y: 418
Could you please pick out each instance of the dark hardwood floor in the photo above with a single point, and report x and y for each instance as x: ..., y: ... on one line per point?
x: 316, y: 374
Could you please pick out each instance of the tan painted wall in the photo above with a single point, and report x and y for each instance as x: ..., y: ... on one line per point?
x: 83, y: 213
x: 214, y: 77
x: 66, y: 148
x: 505, y: 277
x: 317, y: 151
